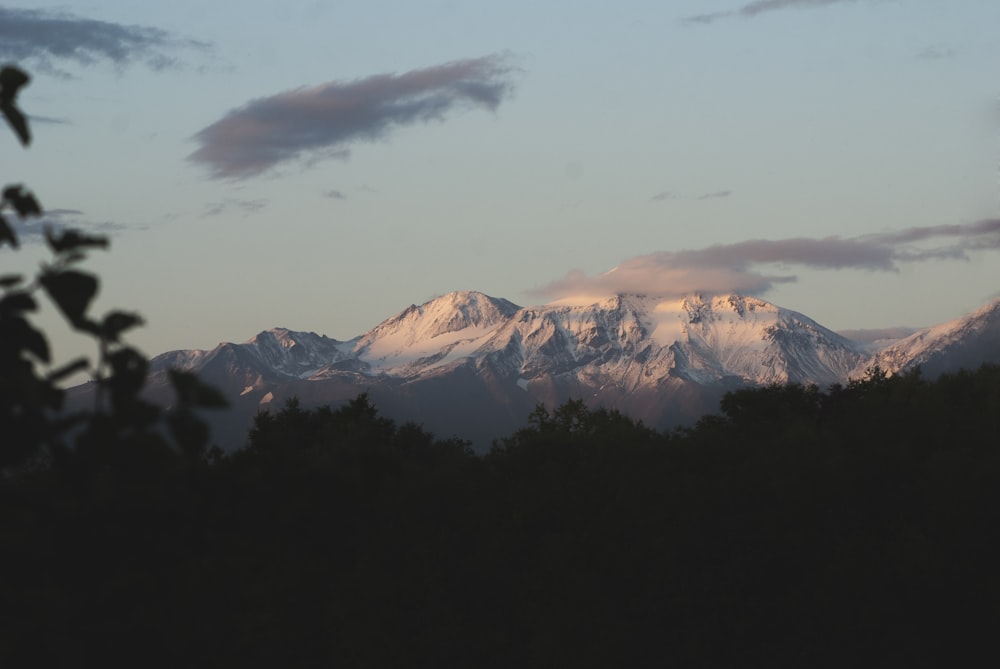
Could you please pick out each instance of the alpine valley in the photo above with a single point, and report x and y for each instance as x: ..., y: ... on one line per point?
x: 473, y: 366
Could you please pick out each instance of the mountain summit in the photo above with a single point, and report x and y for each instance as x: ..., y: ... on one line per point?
x: 474, y: 366
x: 427, y: 334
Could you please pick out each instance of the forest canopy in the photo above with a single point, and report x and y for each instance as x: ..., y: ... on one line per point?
x: 855, y: 525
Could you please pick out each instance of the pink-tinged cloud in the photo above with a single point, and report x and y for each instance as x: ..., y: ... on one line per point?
x: 306, y: 124
x: 756, y: 266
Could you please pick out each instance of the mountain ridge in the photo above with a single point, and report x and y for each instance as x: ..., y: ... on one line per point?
x: 470, y: 365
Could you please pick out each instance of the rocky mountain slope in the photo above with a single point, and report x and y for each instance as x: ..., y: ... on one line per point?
x: 474, y: 366
x: 966, y: 342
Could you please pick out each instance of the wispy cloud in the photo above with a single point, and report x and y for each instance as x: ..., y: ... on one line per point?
x: 50, y: 120
x: 756, y: 266
x: 669, y: 195
x: 42, y: 38
x: 33, y: 230
x: 322, y: 121
x: 936, y: 52
x: 246, y: 206
x: 715, y: 195
x: 752, y: 9
x: 334, y: 194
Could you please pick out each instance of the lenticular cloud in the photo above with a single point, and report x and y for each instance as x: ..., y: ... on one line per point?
x: 749, y: 267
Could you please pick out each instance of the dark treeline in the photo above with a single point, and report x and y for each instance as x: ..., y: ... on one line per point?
x: 799, y: 528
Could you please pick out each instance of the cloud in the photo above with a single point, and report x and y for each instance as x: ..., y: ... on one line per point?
x: 752, y: 9
x: 33, y: 230
x: 756, y: 266
x: 60, y: 213
x: 246, y: 206
x: 936, y: 52
x: 50, y: 120
x: 334, y: 194
x: 716, y: 194
x: 667, y: 195
x: 40, y: 38
x: 323, y: 121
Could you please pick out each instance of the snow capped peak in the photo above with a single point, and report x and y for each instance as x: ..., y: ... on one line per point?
x: 581, y: 300
x: 661, y: 359
x: 449, y: 313
x: 290, y: 341
x: 438, y: 330
x: 462, y: 309
x: 700, y: 308
x: 291, y: 352
x: 625, y: 344
x: 280, y: 336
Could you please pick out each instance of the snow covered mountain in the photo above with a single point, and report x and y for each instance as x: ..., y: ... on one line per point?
x: 966, y: 342
x: 445, y: 329
x: 474, y: 366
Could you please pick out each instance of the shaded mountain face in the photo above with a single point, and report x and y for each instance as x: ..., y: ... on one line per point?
x: 964, y: 343
x: 469, y: 365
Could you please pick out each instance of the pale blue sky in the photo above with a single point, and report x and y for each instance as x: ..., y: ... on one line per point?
x: 860, y: 139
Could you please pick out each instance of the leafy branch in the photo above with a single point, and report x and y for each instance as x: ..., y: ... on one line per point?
x: 122, y: 426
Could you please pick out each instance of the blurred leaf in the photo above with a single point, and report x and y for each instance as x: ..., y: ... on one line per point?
x: 7, y: 233
x: 68, y: 369
x: 129, y: 414
x: 17, y: 302
x: 191, y: 392
x: 128, y: 374
x: 73, y: 257
x: 117, y: 322
x: 137, y: 413
x: 18, y: 334
x: 72, y: 292
x: 17, y: 121
x: 189, y: 431
x: 90, y: 326
x: 10, y: 280
x: 35, y: 342
x: 52, y: 397
x: 22, y: 200
x: 11, y: 81
x: 70, y: 240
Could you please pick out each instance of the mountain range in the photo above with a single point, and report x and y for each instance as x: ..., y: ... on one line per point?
x: 469, y: 365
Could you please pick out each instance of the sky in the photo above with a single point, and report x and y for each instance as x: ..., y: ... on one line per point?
x: 323, y: 165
